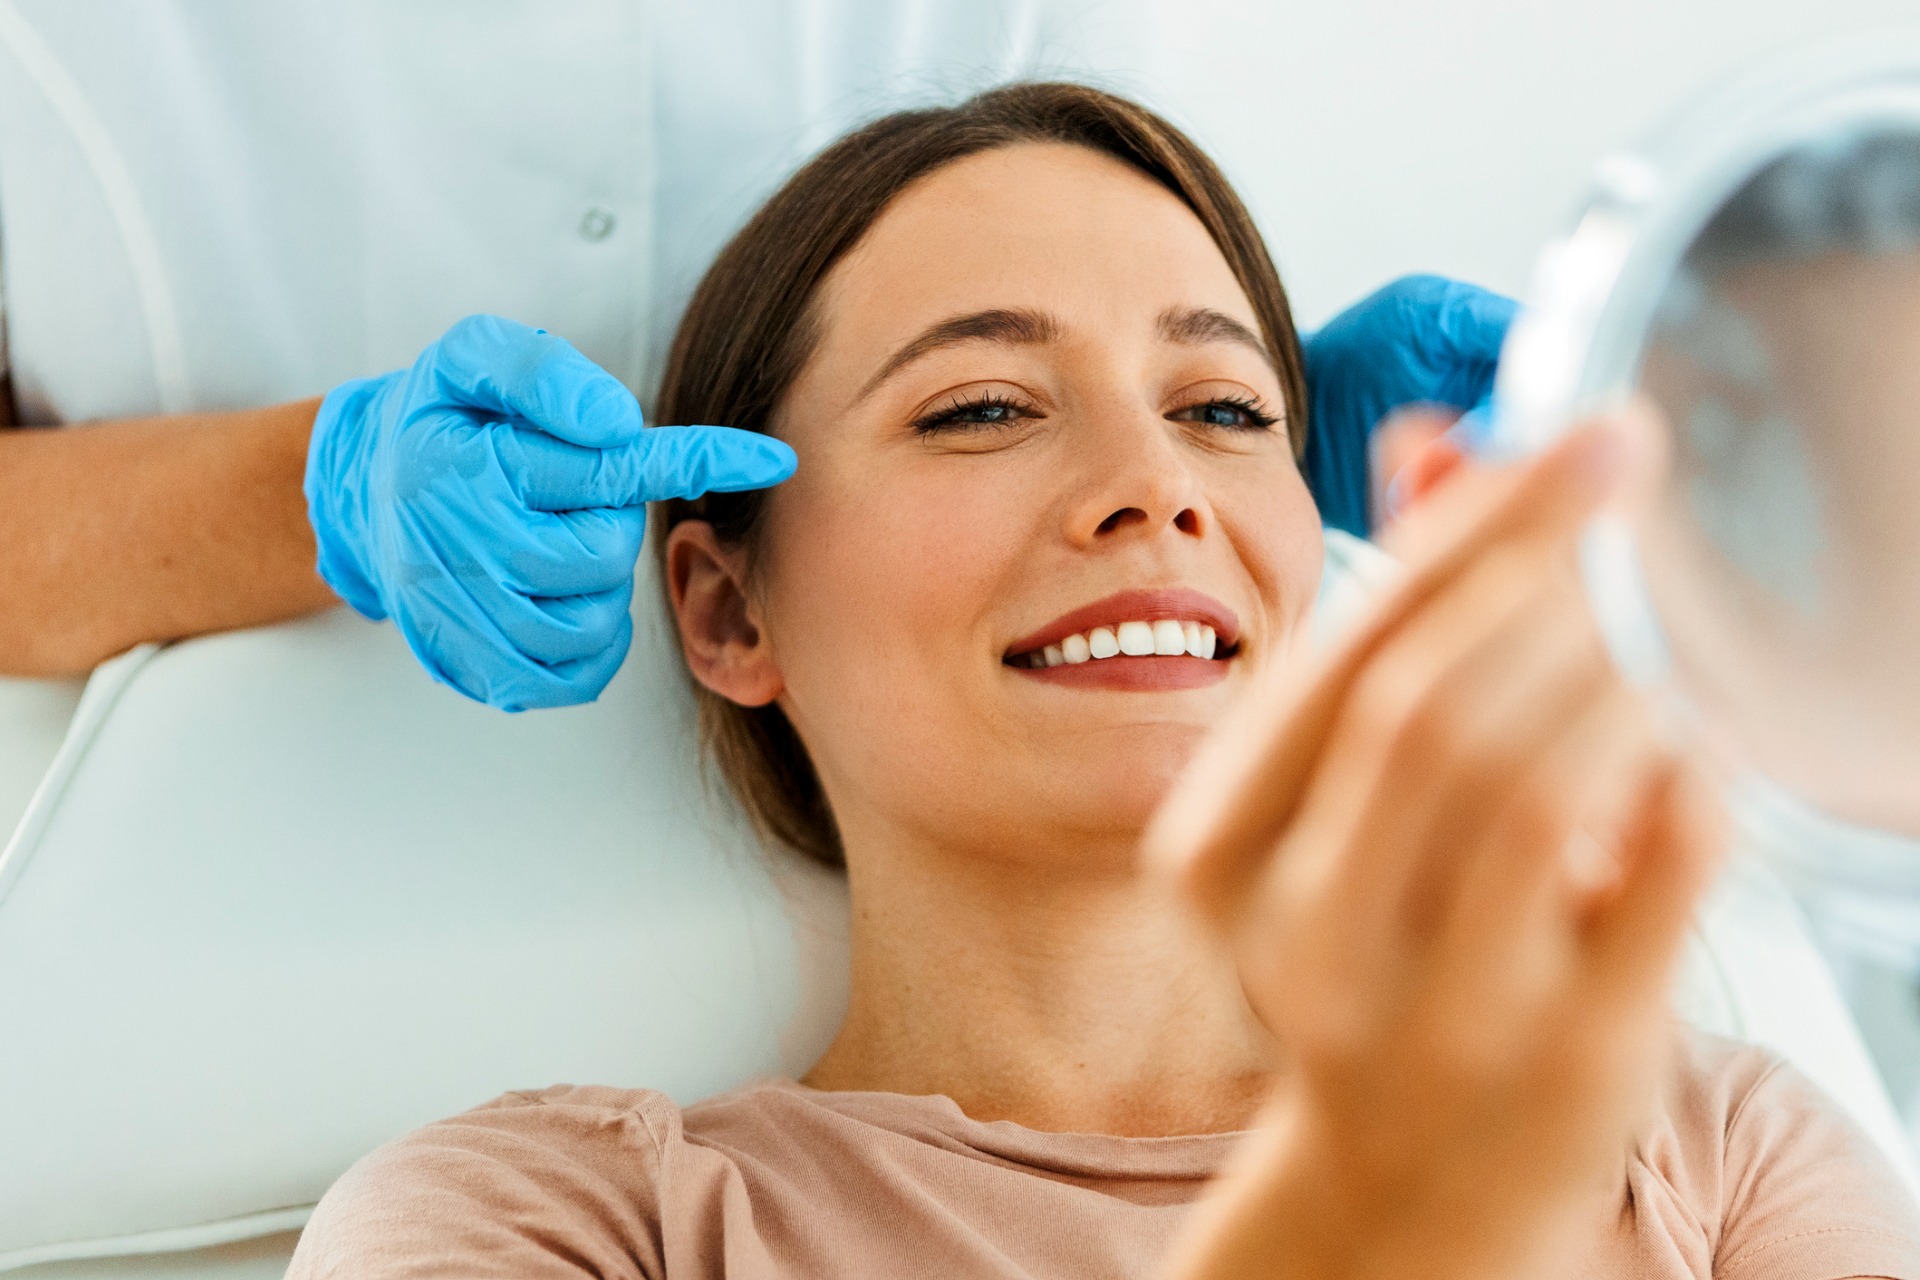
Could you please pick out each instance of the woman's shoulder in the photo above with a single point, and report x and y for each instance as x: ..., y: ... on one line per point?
x: 1732, y: 1106
x: 584, y: 1128
x: 1711, y: 1083
x: 1765, y: 1174
x: 506, y: 1181
x: 589, y: 1180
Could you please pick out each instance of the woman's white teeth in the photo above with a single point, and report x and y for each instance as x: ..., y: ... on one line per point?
x: 1136, y: 639
x: 1166, y: 638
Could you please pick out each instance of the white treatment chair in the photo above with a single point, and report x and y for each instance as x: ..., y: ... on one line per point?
x: 280, y: 898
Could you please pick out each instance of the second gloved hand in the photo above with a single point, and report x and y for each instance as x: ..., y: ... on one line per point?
x: 490, y: 500
x: 1420, y: 340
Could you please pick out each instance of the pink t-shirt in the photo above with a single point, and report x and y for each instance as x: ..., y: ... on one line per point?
x: 1749, y: 1173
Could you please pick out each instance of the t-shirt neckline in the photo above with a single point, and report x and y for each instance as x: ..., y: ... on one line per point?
x: 1078, y: 1155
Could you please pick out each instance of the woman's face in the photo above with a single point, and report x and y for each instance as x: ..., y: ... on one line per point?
x: 1038, y: 409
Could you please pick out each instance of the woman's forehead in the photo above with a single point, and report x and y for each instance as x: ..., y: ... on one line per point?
x: 1049, y: 228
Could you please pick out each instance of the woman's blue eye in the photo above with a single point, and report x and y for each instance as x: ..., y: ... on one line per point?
x: 983, y: 411
x: 1229, y: 412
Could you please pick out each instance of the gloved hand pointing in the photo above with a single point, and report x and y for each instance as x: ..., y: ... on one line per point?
x: 490, y: 500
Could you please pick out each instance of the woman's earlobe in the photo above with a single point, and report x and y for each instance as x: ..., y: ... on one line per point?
x: 725, y: 646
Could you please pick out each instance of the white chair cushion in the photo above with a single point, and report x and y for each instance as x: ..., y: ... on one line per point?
x: 283, y: 898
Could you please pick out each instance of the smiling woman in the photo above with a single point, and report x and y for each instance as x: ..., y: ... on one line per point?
x: 757, y: 320
x: 1358, y: 1012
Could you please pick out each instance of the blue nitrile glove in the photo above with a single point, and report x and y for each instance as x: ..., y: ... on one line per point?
x: 490, y: 501
x: 1419, y: 340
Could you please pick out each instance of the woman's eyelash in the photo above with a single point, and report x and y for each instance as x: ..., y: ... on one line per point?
x: 1255, y: 414
x: 990, y: 409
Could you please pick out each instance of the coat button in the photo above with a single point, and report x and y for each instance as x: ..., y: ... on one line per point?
x: 596, y: 224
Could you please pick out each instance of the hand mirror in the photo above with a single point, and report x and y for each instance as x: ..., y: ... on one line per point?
x: 1753, y: 272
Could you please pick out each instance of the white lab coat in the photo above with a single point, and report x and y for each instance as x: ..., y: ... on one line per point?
x: 221, y: 203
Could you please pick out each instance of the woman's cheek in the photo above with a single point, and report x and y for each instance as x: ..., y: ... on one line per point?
x: 1270, y: 517
x: 889, y: 571
x: 942, y: 529
x: 882, y: 615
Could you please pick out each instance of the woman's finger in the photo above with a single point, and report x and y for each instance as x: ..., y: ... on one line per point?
x: 1391, y: 755
x: 1436, y: 735
x: 1417, y: 783
x: 1670, y: 851
x: 1514, y: 909
x: 1506, y: 710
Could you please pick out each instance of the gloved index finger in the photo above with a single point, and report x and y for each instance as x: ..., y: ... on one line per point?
x: 509, y: 369
x: 662, y: 463
x: 685, y: 462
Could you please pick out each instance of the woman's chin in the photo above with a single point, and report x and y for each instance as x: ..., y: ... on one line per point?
x: 1115, y: 790
x: 1091, y: 791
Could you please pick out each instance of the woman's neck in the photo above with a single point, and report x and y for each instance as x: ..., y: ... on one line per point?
x: 1062, y: 1000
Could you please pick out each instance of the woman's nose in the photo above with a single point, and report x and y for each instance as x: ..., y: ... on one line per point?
x: 1136, y: 484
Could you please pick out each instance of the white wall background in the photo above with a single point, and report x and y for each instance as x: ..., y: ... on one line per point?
x: 1378, y: 137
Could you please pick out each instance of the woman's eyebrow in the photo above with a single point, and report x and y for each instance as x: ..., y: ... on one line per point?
x: 1019, y: 327
x: 1193, y: 326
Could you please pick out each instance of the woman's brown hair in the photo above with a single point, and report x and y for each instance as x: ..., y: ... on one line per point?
x: 750, y: 329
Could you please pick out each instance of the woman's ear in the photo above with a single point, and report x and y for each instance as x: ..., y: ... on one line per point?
x: 725, y: 646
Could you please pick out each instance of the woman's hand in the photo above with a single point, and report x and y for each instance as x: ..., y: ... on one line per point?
x: 1454, y: 863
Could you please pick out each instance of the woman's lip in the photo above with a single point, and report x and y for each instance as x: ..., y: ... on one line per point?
x: 1137, y: 605
x: 1144, y: 674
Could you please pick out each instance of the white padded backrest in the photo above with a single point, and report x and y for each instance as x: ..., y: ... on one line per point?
x: 282, y: 898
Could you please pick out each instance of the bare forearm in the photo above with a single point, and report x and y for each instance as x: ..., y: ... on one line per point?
x: 151, y: 529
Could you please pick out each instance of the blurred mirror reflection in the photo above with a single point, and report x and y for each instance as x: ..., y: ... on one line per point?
x: 1783, y: 555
